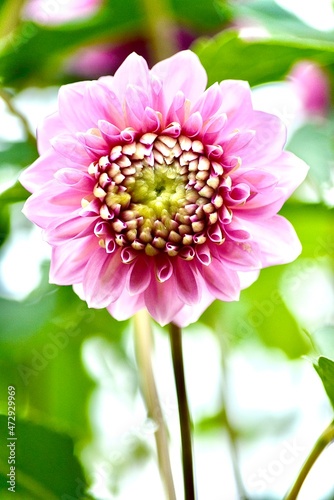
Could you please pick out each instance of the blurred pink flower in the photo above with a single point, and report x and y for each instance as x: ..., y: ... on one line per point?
x: 55, y: 12
x: 312, y: 85
x: 156, y: 193
x: 304, y: 96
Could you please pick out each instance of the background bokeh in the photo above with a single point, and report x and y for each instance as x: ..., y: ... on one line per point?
x: 257, y: 403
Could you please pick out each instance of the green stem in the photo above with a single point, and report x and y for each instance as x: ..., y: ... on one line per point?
x: 8, y: 100
x: 10, y: 16
x: 160, y: 27
x: 231, y: 431
x: 324, y: 440
x: 144, y: 347
x: 184, y: 415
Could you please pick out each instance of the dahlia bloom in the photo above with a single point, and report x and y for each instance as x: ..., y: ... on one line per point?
x: 156, y: 193
x: 54, y: 12
x: 312, y: 85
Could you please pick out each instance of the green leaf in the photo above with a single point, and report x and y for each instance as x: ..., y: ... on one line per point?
x: 17, y: 153
x: 14, y: 194
x: 35, y: 51
x: 4, y: 223
x: 319, y: 151
x: 325, y: 369
x: 275, y: 19
x: 201, y: 15
x: 228, y: 56
x: 45, y: 464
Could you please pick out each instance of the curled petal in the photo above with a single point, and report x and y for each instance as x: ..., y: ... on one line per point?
x: 193, y: 125
x: 203, y: 254
x: 215, y: 234
x: 128, y: 255
x: 164, y: 268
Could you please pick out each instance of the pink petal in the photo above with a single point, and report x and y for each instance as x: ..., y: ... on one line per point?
x: 139, y: 275
x: 135, y: 103
x: 76, y: 179
x: 104, y: 278
x: 69, y: 260
x: 41, y: 171
x: 161, y: 301
x: 176, y: 111
x: 66, y: 229
x: 126, y: 305
x: 258, y: 180
x: 209, y: 103
x: 277, y: 240
x: 268, y: 141
x: 133, y: 71
x: 70, y: 148
x: 238, y: 141
x: 164, y: 268
x: 100, y: 103
x: 187, y: 282
x: 236, y: 103
x: 239, y: 256
x: 203, y: 254
x: 190, y: 314
x: 52, y: 125
x: 214, y: 128
x: 49, y: 202
x: 222, y: 282
x: 290, y: 172
x: 262, y: 205
x: 95, y: 145
x: 72, y: 111
x: 183, y: 71
x: 193, y: 125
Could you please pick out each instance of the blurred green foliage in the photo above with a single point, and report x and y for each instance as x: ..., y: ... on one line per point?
x: 42, y: 336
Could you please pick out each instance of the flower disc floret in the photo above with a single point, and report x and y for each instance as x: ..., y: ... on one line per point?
x: 159, y: 194
x: 156, y: 193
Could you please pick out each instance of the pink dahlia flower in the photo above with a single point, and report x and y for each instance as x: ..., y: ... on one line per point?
x: 311, y: 83
x: 156, y: 193
x: 54, y: 12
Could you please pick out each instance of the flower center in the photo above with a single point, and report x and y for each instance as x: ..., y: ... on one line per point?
x: 158, y: 194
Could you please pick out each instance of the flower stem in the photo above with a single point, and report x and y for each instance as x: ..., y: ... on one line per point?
x: 184, y: 415
x: 8, y: 100
x: 160, y: 27
x: 144, y: 347
x: 324, y: 440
